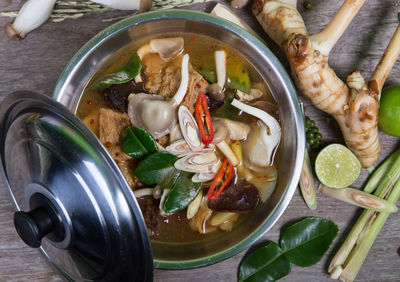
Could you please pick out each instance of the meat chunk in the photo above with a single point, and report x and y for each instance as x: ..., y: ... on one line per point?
x: 111, y: 127
x: 165, y: 81
x: 112, y: 124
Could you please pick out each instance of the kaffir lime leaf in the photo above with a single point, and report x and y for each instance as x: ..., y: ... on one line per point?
x: 336, y: 166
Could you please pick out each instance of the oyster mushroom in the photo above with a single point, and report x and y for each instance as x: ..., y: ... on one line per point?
x: 154, y: 113
x: 259, y: 147
x: 228, y: 129
x: 167, y: 48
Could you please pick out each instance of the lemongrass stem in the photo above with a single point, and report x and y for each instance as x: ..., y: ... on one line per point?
x: 358, y: 256
x: 380, y: 172
x: 307, y: 185
x: 360, y: 229
x: 359, y: 198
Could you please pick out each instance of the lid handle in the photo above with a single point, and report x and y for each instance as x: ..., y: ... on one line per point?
x: 32, y: 226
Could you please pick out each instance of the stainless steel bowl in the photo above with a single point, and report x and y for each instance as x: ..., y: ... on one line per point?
x: 143, y: 27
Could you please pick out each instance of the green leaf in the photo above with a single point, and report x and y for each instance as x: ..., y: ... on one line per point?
x: 226, y: 111
x: 137, y: 142
x: 127, y: 73
x: 236, y: 72
x: 238, y: 77
x: 264, y: 264
x: 157, y: 168
x: 183, y: 192
x: 305, y: 242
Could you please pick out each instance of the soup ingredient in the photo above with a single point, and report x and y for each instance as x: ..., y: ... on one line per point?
x: 314, y: 138
x: 190, y: 129
x: 254, y: 94
x: 224, y: 176
x: 137, y: 142
x: 197, y: 162
x: 127, y: 73
x: 139, y: 5
x: 307, y: 185
x: 349, y: 258
x: 337, y: 167
x: 240, y: 197
x: 143, y: 192
x: 220, y: 65
x: 378, y: 175
x: 179, y: 148
x: 239, y: 4
x: 31, y: 15
x: 158, y: 168
x: 117, y: 94
x: 199, y: 222
x: 229, y: 129
x: 203, y: 119
x: 156, y: 114
x: 209, y: 175
x: 167, y: 48
x: 215, y: 92
x: 359, y: 198
x: 355, y: 105
x: 194, y: 205
x: 162, y: 202
x: 389, y: 111
x: 157, y: 192
x: 183, y: 192
x: 223, y: 218
x: 258, y: 149
x: 243, y: 171
x: 227, y: 111
x: 303, y: 243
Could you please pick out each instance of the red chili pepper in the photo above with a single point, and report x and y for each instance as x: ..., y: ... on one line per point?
x: 225, y: 174
x: 203, y: 119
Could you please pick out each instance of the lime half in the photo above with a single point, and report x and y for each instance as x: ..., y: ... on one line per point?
x: 337, y: 167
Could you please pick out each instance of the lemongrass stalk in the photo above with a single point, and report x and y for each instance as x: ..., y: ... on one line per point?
x: 380, y: 172
x: 357, y: 257
x: 359, y: 198
x: 357, y: 232
x: 307, y: 185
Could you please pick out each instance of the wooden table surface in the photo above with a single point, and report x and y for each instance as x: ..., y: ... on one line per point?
x: 36, y: 62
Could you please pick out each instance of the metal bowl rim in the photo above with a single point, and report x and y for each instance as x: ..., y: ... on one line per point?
x: 257, y: 42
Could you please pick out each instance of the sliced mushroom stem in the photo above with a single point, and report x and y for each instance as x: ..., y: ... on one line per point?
x: 359, y: 198
x: 180, y: 94
x: 220, y: 65
x: 272, y: 138
x: 228, y: 153
x: 143, y: 192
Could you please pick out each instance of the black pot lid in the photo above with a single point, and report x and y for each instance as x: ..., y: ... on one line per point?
x: 71, y: 199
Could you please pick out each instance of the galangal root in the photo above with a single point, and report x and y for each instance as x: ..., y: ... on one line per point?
x: 355, y: 105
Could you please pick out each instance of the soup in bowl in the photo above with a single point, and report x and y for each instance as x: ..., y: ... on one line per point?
x: 203, y: 123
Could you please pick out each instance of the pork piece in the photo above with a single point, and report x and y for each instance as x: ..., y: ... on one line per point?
x: 112, y: 124
x: 165, y: 80
x: 236, y: 198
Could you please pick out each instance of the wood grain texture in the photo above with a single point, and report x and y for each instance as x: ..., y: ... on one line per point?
x: 36, y: 62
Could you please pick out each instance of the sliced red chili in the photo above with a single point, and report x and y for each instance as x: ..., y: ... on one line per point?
x: 225, y: 174
x: 203, y: 119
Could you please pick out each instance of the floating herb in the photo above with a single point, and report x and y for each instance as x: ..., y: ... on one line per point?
x: 127, y: 73
x: 137, y: 142
x: 183, y: 192
x: 303, y: 243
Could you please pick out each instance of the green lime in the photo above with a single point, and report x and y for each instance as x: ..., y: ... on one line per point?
x: 389, y: 112
x: 336, y: 166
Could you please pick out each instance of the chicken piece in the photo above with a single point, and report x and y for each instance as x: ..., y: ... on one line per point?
x: 111, y: 127
x: 164, y: 79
